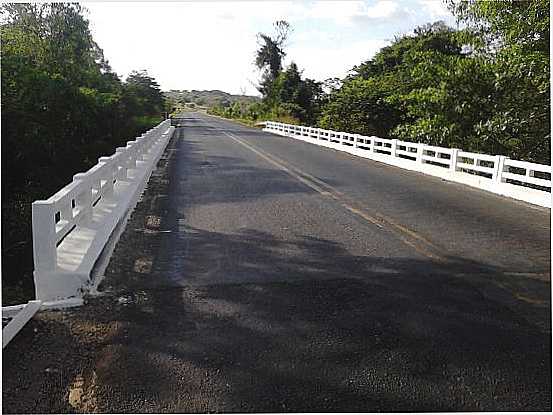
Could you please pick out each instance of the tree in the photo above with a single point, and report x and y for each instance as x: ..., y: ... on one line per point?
x: 143, y: 93
x: 300, y: 97
x: 506, y: 24
x: 270, y: 53
x: 456, y: 88
x: 373, y: 99
x: 360, y: 106
x: 514, y: 38
x: 62, y: 108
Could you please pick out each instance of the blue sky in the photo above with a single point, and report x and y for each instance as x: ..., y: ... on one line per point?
x: 211, y: 45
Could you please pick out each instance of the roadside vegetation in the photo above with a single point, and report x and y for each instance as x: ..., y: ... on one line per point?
x: 195, y: 99
x: 62, y: 108
x: 483, y: 88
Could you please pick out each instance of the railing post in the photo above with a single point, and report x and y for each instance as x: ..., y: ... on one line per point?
x: 371, y: 146
x: 108, y: 175
x: 394, y: 147
x: 140, y: 148
x: 149, y: 142
x: 44, y: 236
x: 84, y: 198
x: 122, y: 163
x: 131, y: 150
x: 499, y: 165
x: 420, y: 152
x: 66, y: 211
x: 453, y: 165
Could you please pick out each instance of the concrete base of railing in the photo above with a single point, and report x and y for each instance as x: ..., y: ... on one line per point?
x: 525, y: 194
x: 79, y: 250
x: 20, y: 314
x: 18, y: 320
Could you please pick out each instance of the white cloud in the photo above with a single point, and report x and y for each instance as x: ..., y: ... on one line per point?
x: 382, y: 10
x: 339, y: 11
x: 435, y: 8
x: 182, y: 45
x: 328, y: 62
x: 354, y: 11
x: 384, y: 13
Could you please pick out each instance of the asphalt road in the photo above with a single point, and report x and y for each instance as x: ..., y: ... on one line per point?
x: 262, y: 274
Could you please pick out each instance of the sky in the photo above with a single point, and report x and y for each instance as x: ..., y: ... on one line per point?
x: 211, y: 44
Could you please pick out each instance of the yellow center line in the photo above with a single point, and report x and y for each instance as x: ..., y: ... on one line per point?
x: 418, y: 244
x: 409, y: 237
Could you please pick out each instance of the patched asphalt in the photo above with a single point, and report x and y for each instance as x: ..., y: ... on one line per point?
x: 263, y: 274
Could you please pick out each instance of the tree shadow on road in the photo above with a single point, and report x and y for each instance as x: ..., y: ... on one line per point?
x: 198, y: 321
x: 321, y: 330
x: 246, y: 322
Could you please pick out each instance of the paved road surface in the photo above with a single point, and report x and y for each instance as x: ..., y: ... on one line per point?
x: 264, y: 274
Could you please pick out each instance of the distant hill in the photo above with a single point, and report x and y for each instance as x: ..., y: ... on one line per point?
x: 208, y: 98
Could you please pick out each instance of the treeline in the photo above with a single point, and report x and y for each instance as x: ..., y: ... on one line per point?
x: 484, y: 88
x: 212, y: 98
x: 62, y: 108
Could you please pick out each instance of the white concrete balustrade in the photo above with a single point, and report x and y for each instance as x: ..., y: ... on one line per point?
x: 520, y: 180
x: 71, y: 228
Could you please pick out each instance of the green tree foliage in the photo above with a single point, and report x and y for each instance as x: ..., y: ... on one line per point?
x: 301, y: 98
x: 285, y: 94
x: 484, y: 88
x: 270, y: 53
x: 62, y: 108
x: 513, y: 37
x: 143, y: 93
x: 373, y: 99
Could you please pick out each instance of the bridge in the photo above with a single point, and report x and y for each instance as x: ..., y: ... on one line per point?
x: 262, y: 273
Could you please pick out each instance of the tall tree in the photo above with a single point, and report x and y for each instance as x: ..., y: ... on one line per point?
x: 270, y: 54
x: 373, y: 98
x: 300, y: 97
x: 144, y: 92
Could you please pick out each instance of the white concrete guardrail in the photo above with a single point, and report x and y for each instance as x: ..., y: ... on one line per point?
x: 520, y: 180
x: 71, y: 228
